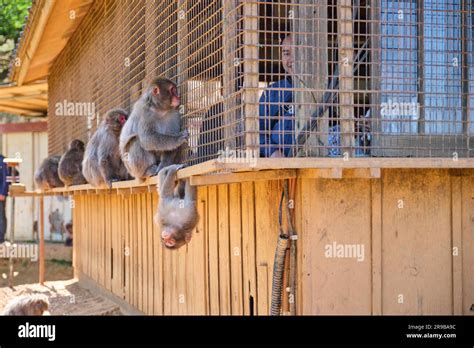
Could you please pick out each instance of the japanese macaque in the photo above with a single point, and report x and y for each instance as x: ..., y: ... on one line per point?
x: 151, y: 138
x: 47, y: 177
x: 102, y: 162
x: 177, y: 213
x: 70, y: 165
x: 36, y: 304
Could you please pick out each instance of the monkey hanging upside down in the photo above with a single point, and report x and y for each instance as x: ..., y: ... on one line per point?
x: 177, y: 214
x: 27, y: 305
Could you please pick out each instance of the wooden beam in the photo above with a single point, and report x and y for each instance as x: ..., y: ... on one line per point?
x: 227, y: 178
x: 251, y: 74
x: 329, y: 173
x: 20, y: 111
x: 346, y: 78
x: 35, y: 39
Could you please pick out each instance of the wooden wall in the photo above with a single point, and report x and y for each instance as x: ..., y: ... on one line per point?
x: 408, y: 222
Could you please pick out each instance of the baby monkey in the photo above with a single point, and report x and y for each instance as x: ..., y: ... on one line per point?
x: 177, y: 214
x: 27, y: 305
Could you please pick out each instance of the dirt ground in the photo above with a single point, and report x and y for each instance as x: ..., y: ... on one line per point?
x: 58, y: 266
x: 65, y: 298
x: 65, y: 295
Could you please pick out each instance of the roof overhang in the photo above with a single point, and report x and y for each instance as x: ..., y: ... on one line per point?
x: 50, y: 25
x: 27, y: 100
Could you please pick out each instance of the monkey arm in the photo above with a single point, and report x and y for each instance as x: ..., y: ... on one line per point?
x: 161, y: 142
x: 167, y: 183
x: 190, y: 192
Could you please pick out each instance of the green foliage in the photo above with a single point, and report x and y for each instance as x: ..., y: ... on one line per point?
x: 12, y: 17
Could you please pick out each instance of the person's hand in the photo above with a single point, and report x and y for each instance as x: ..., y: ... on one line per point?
x: 2, y: 198
x: 277, y: 153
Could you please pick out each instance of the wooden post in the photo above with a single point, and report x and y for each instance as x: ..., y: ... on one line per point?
x: 346, y: 83
x: 310, y: 42
x: 12, y: 240
x: 41, y: 241
x: 250, y: 61
x: 229, y: 39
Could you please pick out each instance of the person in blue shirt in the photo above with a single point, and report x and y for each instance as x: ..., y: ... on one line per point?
x: 276, y: 109
x: 3, y: 198
x: 277, y: 117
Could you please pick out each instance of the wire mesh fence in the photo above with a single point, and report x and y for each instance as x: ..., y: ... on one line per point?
x: 307, y: 78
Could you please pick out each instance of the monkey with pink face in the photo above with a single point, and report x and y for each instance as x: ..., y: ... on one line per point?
x: 151, y: 138
x: 177, y: 214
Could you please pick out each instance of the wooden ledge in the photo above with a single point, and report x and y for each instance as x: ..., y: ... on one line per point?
x: 214, y: 172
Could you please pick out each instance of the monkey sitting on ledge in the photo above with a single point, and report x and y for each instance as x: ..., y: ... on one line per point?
x: 151, y: 138
x: 102, y: 162
x: 70, y: 165
x: 177, y: 214
x: 47, y: 177
x: 27, y: 305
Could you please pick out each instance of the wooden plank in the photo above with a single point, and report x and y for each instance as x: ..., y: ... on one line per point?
x: 107, y: 242
x: 183, y: 295
x: 330, y: 173
x: 467, y: 244
x: 416, y: 243
x: 135, y: 254
x: 336, y: 213
x: 144, y: 217
x: 376, y: 206
x: 224, y: 252
x: 456, y: 216
x: 263, y: 289
x: 235, y: 229
x: 157, y: 264
x: 213, y: 251
x: 267, y: 198
x: 228, y: 178
x: 249, y: 268
x: 150, y: 252
x: 126, y: 247
x: 298, y: 225
x: 140, y: 266
x: 201, y: 260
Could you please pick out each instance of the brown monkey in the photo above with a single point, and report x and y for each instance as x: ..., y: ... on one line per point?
x: 70, y: 165
x: 47, y: 177
x: 177, y: 214
x: 151, y: 139
x: 102, y: 162
x: 27, y: 305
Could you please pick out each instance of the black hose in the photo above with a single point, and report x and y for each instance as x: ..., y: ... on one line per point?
x: 278, y: 268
